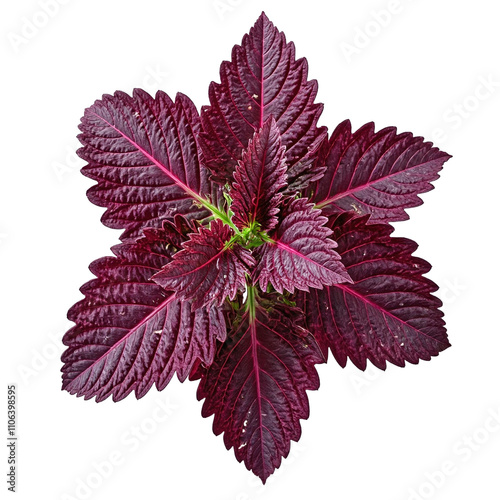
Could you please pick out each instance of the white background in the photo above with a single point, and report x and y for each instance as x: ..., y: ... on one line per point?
x: 377, y: 435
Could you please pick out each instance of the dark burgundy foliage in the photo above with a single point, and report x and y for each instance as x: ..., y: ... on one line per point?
x: 259, y: 179
x: 377, y: 173
x: 389, y: 312
x: 130, y: 332
x: 262, y: 80
x: 207, y: 271
x: 302, y: 255
x: 253, y: 244
x: 256, y: 387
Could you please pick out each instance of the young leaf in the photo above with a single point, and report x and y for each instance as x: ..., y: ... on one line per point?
x: 262, y: 80
x: 380, y: 173
x: 302, y: 254
x: 144, y: 155
x: 259, y: 176
x: 209, y: 268
x: 129, y: 332
x: 256, y: 386
x: 389, y: 312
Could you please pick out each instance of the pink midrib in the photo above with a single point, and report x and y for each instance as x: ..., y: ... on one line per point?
x: 348, y: 192
x: 347, y: 289
x: 261, y: 121
x: 259, y: 188
x: 262, y: 80
x: 289, y: 249
x: 256, y: 369
x: 196, y: 269
x: 124, y: 338
x: 162, y: 167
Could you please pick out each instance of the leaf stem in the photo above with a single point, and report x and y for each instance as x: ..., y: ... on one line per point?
x: 219, y: 214
x: 322, y: 204
x: 251, y: 302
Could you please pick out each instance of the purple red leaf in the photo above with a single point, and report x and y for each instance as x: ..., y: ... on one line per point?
x: 256, y: 387
x: 144, y: 155
x: 379, y: 173
x: 209, y: 269
x: 259, y: 176
x: 262, y: 80
x: 389, y: 312
x: 129, y: 332
x: 302, y: 255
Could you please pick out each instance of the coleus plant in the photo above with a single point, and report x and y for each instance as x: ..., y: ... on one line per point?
x: 253, y: 244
